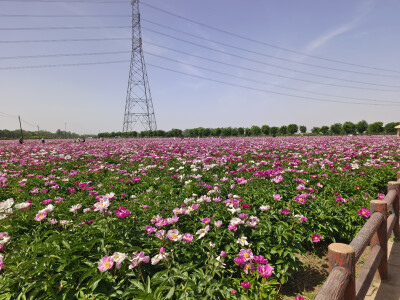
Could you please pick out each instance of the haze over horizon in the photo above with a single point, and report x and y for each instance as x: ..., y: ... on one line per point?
x: 91, y: 98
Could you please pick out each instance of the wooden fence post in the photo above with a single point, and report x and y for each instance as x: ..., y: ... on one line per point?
x: 394, y: 185
x: 380, y: 237
x: 342, y: 255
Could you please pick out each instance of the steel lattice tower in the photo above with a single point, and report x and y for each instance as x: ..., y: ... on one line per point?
x: 139, y: 105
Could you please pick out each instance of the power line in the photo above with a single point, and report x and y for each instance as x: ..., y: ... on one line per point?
x: 209, y: 48
x: 63, y: 28
x: 197, y: 76
x: 63, y: 55
x: 267, y: 44
x: 265, y: 83
x: 195, y: 36
x: 263, y: 54
x: 65, y: 65
x: 64, y: 1
x: 181, y: 62
x: 61, y: 16
x: 265, y: 63
x: 261, y: 90
x: 64, y: 40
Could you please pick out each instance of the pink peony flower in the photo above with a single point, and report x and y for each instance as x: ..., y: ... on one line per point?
x: 265, y: 270
x: 206, y: 221
x: 106, y: 263
x: 277, y: 197
x: 245, y: 284
x: 187, y: 237
x: 364, y: 212
x: 40, y: 216
x: 285, y: 211
x: 316, y: 238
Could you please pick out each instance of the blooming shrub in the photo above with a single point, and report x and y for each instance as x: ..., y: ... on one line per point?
x: 168, y: 219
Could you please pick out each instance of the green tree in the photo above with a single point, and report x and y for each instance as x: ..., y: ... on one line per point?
x: 315, y: 130
x: 303, y: 129
x: 349, y: 128
x: 292, y: 129
x: 265, y: 129
x: 274, y: 131
x: 240, y: 131
x: 227, y: 131
x: 336, y: 128
x: 375, y: 128
x: 324, y: 130
x: 255, y: 130
x: 283, y: 130
x: 362, y: 126
x: 389, y: 127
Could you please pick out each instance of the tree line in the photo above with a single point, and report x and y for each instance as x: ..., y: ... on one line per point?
x: 346, y: 128
x: 16, y: 134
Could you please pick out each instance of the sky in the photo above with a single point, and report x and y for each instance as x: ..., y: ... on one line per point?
x: 306, y: 62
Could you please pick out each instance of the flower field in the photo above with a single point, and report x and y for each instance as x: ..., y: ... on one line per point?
x: 179, y: 219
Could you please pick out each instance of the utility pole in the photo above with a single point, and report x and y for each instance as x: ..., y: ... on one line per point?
x: 139, y: 105
x: 20, y: 126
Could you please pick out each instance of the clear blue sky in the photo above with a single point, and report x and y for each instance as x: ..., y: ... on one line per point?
x: 91, y: 99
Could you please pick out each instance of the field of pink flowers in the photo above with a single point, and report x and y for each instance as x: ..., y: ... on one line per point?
x: 179, y: 219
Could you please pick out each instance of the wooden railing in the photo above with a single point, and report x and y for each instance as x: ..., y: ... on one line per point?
x: 342, y: 282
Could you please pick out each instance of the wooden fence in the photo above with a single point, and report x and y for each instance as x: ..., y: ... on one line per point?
x: 384, y: 219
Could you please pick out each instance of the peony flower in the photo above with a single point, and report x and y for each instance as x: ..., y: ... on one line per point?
x: 364, y: 212
x: 106, y: 263
x: 159, y: 257
x: 138, y: 258
x: 102, y: 205
x: 40, y: 216
x: 277, y: 197
x: 206, y: 221
x: 245, y: 284
x: 218, y: 223
x: 173, y: 235
x: 118, y: 258
x: 202, y: 232
x: 242, y: 241
x: 75, y: 208
x: 285, y: 211
x: 247, y: 254
x: 265, y: 270
x: 187, y: 237
x: 316, y: 238
x: 265, y: 207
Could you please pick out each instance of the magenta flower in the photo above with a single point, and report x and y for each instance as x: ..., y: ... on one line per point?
x: 40, y: 216
x: 187, y: 237
x: 299, y: 298
x: 316, y: 238
x: 173, y: 235
x: 206, y: 221
x: 285, y: 211
x: 245, y: 284
x: 246, y: 254
x: 260, y: 259
x: 106, y: 263
x: 240, y: 260
x: 381, y: 196
x: 364, y: 212
x: 265, y: 270
x: 122, y: 212
x: 138, y: 258
x: 277, y: 197
x: 222, y: 254
x: 249, y: 268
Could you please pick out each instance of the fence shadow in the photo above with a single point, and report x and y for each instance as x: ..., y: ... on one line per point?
x: 390, y: 289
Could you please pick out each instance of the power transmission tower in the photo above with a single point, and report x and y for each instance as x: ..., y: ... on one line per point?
x: 139, y: 105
